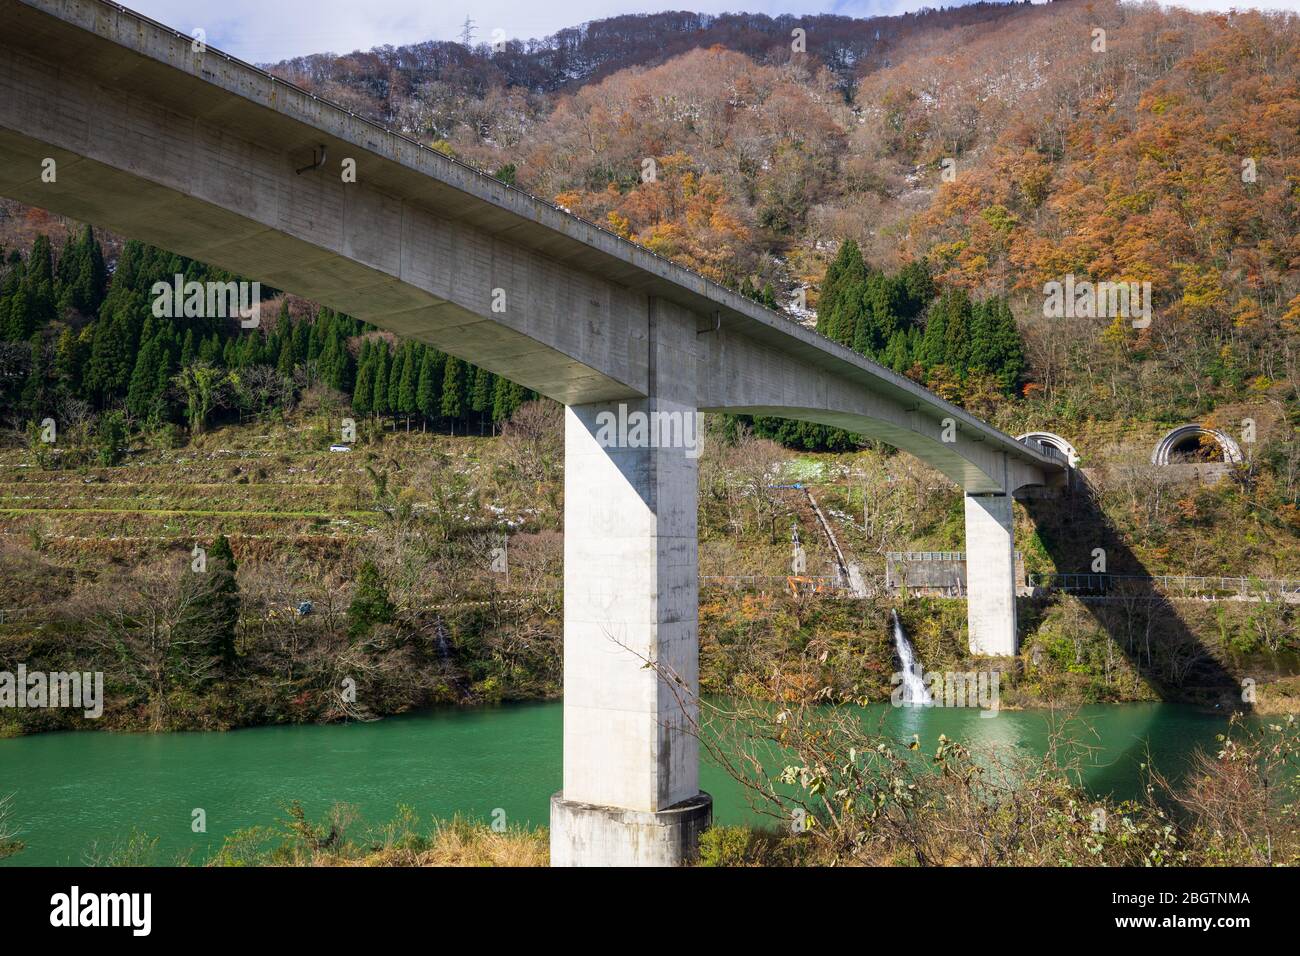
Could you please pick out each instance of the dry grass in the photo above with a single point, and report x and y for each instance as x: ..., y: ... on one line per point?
x: 336, y: 840
x: 458, y: 843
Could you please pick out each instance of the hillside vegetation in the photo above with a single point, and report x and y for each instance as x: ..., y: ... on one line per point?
x: 907, y: 186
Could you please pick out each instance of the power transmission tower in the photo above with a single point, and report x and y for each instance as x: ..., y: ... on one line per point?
x: 467, y: 32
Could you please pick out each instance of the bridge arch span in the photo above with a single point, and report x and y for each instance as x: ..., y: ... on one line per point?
x: 1050, y: 440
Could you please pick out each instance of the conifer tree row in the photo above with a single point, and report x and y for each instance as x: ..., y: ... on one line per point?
x: 959, y: 342
x: 70, y: 329
x: 956, y: 347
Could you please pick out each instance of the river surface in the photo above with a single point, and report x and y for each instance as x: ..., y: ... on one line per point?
x: 73, y: 792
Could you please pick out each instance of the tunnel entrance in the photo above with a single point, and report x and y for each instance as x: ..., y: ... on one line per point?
x: 1195, y: 444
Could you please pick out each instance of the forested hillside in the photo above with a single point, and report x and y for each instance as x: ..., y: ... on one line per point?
x: 1007, y: 147
x: 387, y: 80
x: 909, y: 184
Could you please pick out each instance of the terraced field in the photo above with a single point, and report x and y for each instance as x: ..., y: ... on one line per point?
x: 255, y: 484
x: 276, y: 491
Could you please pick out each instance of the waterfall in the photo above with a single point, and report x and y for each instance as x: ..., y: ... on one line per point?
x: 914, y: 692
x: 444, y: 649
x: 444, y: 654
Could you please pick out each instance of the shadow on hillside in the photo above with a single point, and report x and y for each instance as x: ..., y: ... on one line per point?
x: 1141, y: 621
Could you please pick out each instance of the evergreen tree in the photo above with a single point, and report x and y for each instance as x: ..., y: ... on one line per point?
x: 884, y: 311
x: 370, y: 604
x: 284, y: 364
x: 395, y: 380
x: 379, y: 400
x: 916, y: 288
x: 82, y: 274
x: 40, y: 283
x: 406, y: 398
x: 219, y: 600
x: 481, y: 392
x: 428, y: 391
x: 506, y: 397
x: 36, y: 391
x: 957, y: 331
x: 301, y: 342
x: 897, y: 356
x: 845, y: 271
x: 107, y: 370
x: 110, y: 438
x: 210, y: 349
x: 144, y: 395
x: 996, y: 346
x: 20, y: 320
x: 363, y: 395
x: 67, y: 361
x: 453, y: 388
x: 933, y: 347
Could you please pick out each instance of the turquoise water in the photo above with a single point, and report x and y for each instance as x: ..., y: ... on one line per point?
x: 73, y: 791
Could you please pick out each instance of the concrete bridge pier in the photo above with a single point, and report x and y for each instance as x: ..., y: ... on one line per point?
x: 990, y: 575
x: 631, y: 792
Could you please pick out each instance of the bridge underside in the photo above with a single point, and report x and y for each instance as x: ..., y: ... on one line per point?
x: 198, y: 154
x: 920, y: 437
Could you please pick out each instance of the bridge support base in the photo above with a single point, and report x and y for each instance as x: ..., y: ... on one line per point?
x: 631, y: 606
x: 990, y: 576
x: 587, y: 835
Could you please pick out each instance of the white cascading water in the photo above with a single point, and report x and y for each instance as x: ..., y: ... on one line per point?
x: 914, y: 690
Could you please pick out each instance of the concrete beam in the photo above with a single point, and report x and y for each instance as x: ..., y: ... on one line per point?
x: 631, y: 596
x: 218, y: 192
x: 740, y: 374
x: 591, y: 835
x: 990, y: 576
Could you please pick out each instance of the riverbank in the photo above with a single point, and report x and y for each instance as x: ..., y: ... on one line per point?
x: 291, y: 670
x: 97, y: 574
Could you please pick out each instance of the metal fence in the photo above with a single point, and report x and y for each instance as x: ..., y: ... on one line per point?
x: 1171, y: 584
x: 925, y: 556
x: 820, y: 582
x: 931, y: 555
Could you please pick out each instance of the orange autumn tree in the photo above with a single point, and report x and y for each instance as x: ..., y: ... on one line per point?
x: 704, y: 159
x: 679, y: 214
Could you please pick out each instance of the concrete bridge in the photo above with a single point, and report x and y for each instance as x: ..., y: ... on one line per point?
x: 156, y: 138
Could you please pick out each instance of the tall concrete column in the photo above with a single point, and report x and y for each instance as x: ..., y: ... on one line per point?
x: 631, y: 792
x: 990, y: 575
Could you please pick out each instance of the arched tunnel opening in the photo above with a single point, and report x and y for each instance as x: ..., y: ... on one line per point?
x: 1196, y: 449
x: 1195, y: 444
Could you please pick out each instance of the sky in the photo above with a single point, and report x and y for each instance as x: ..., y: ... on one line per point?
x: 265, y: 31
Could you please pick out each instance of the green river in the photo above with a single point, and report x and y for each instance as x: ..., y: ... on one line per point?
x: 75, y: 790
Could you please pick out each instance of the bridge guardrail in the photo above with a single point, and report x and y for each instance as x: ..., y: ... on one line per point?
x: 820, y: 581
x: 932, y: 555
x: 1190, y: 585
